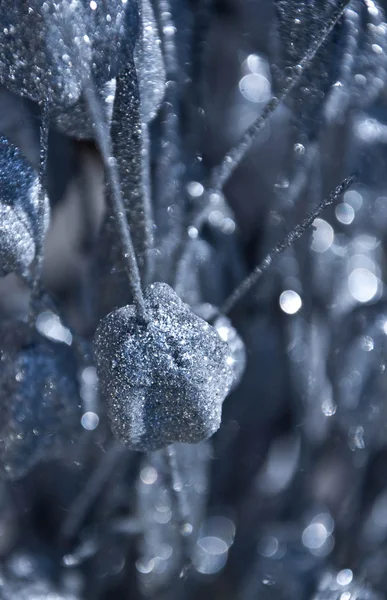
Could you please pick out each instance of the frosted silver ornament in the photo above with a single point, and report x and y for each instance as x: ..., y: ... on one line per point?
x: 40, y: 404
x: 19, y: 210
x: 163, y: 381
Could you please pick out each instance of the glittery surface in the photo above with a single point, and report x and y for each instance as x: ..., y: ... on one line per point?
x: 129, y: 151
x: 40, y: 405
x: 46, y: 44
x: 18, y: 210
x: 163, y: 382
x: 74, y: 121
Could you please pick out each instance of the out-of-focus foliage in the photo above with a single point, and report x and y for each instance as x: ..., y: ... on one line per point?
x: 288, y: 500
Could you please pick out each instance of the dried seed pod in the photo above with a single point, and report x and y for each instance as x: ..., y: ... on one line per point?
x: 19, y: 210
x: 163, y: 381
x: 40, y: 403
x: 228, y: 334
x: 49, y: 47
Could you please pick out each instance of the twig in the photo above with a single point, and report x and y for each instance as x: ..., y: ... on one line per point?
x: 102, y: 135
x: 290, y: 238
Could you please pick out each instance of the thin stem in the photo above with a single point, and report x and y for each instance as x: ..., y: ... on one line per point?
x: 103, y: 139
x: 221, y: 174
x: 90, y: 492
x: 289, y: 239
x: 41, y: 217
x: 104, y: 143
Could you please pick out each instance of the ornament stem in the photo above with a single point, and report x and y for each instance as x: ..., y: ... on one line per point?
x: 222, y: 173
x: 103, y: 140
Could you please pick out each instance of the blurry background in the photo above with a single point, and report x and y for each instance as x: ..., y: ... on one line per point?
x: 296, y: 495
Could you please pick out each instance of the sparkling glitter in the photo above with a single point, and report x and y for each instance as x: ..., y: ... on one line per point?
x: 170, y: 376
